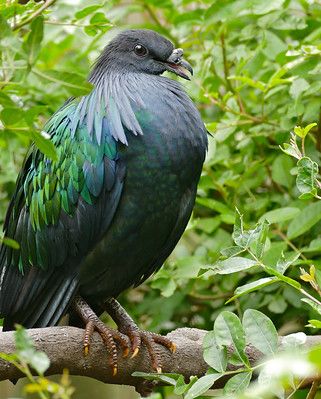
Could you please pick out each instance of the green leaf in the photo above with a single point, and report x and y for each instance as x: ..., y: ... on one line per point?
x: 214, y: 355
x: 4, y: 28
x: 254, y: 286
x: 75, y: 84
x: 314, y: 324
x: 313, y: 304
x: 285, y: 261
x: 280, y: 215
x: 259, y: 7
x: 309, y: 127
x: 22, y: 339
x: 40, y: 362
x: 290, y: 150
x: 285, y: 279
x: 314, y: 355
x: 229, y: 331
x: 259, y: 244
x: 233, y: 265
x: 12, y: 116
x: 281, y: 168
x: 308, y: 217
x: 232, y: 251
x: 168, y: 378
x: 99, y: 18
x: 306, y: 180
x: 238, y: 383
x: 32, y: 44
x: 44, y: 144
x: 87, y: 11
x: 298, y: 87
x: 260, y: 332
x: 202, y: 385
x: 244, y: 238
x: 10, y: 242
x: 9, y: 357
x: 253, y: 83
x: 180, y: 387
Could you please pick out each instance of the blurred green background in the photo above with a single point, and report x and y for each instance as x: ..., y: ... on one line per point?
x: 257, y: 75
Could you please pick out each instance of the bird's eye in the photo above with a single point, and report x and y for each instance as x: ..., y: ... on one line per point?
x: 140, y: 50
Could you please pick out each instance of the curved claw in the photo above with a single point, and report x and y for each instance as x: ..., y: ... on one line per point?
x: 173, y: 347
x: 135, y: 353
x: 126, y: 352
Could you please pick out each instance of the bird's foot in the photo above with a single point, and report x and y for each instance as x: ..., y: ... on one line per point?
x: 108, y: 335
x: 137, y: 337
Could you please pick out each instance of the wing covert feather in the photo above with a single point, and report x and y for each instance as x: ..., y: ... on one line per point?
x: 59, y: 210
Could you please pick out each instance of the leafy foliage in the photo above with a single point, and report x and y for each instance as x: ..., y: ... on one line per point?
x: 257, y: 85
x: 26, y: 358
x: 280, y: 374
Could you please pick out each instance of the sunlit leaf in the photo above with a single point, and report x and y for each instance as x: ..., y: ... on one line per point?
x: 229, y: 331
x: 260, y: 331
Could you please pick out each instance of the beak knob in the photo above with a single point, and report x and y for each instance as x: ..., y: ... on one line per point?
x: 176, y: 64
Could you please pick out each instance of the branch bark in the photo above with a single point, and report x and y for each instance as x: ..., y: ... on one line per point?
x: 63, y: 345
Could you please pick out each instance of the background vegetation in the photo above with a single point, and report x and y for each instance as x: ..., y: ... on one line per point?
x: 257, y: 76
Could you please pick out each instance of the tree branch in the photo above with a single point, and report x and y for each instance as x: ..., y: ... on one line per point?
x: 45, y: 5
x: 63, y: 345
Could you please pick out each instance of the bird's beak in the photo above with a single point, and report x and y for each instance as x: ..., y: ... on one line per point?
x: 177, y: 65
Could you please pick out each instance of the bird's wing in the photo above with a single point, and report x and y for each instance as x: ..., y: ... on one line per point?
x: 59, y: 211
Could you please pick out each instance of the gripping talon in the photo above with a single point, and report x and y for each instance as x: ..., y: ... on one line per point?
x: 135, y: 353
x: 173, y: 347
x: 86, y: 350
x: 126, y: 352
x: 114, y: 371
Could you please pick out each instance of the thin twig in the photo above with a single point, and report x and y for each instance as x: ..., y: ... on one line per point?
x: 226, y: 108
x: 45, y: 5
x: 313, y: 390
x: 289, y: 243
x: 51, y: 22
x: 227, y: 73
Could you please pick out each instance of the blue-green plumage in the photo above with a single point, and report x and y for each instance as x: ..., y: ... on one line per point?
x: 109, y: 210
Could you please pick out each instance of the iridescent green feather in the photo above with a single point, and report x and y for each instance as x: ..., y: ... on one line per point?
x: 53, y: 186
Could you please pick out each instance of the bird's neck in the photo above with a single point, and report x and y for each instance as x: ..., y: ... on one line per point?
x: 115, y: 100
x: 111, y: 105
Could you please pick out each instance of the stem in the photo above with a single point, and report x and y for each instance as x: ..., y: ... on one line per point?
x: 225, y: 64
x: 289, y: 243
x: 30, y: 377
x: 313, y: 390
x: 309, y: 296
x: 302, y: 146
x: 305, y: 293
x: 45, y: 5
x: 226, y: 108
x: 50, y: 22
x: 318, y: 133
x: 227, y: 73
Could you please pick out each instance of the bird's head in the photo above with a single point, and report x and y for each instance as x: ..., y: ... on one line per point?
x: 143, y: 51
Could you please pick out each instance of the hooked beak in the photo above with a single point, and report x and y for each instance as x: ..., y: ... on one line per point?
x: 177, y: 65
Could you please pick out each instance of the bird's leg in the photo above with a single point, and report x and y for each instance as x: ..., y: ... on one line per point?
x: 127, y: 326
x: 108, y: 335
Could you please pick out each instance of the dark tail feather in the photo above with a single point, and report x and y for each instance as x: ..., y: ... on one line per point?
x: 48, y: 306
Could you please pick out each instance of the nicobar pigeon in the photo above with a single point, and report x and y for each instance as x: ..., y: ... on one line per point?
x: 108, y: 212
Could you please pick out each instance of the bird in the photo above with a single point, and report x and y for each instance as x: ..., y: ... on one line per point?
x: 107, y: 212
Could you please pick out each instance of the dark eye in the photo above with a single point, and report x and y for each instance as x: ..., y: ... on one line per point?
x: 140, y: 50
